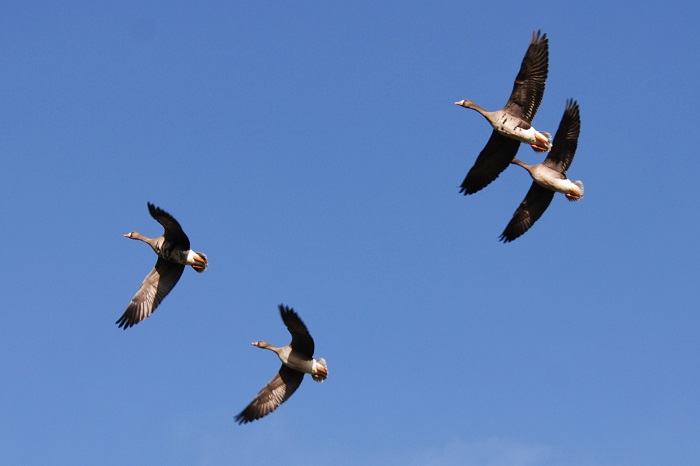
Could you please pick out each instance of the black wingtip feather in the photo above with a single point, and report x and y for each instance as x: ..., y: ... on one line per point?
x: 505, y: 239
x: 124, y: 323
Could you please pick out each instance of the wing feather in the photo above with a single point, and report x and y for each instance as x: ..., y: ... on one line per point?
x: 528, y: 212
x: 302, y: 342
x: 566, y: 140
x: 528, y: 88
x: 277, y: 391
x: 493, y: 159
x: 173, y: 232
x: 155, y: 287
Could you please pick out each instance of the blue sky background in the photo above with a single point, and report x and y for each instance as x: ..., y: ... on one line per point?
x: 314, y: 153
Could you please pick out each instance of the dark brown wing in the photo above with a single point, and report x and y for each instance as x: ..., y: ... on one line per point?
x: 493, y: 159
x: 276, y: 392
x: 302, y: 342
x: 528, y: 88
x: 530, y: 210
x: 566, y: 140
x: 173, y: 230
x: 154, y: 288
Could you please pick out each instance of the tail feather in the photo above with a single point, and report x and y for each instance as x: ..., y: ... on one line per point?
x: 320, y: 376
x: 206, y: 262
x: 580, y: 186
x: 549, y: 143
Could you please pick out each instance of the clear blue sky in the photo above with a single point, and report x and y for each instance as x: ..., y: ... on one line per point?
x: 314, y: 153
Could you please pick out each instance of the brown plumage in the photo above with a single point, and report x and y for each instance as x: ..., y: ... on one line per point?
x: 549, y: 176
x: 174, y: 253
x: 513, y: 123
x: 297, y: 360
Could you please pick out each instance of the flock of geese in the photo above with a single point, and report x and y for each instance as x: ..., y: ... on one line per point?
x: 174, y: 253
x: 511, y: 126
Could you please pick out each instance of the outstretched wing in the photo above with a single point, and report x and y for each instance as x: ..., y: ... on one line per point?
x: 277, y: 391
x: 530, y: 210
x: 566, y: 140
x: 173, y: 230
x: 154, y: 289
x: 528, y: 88
x: 301, y: 338
x: 493, y: 159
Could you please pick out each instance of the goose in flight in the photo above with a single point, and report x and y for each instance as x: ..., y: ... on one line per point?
x: 513, y: 123
x: 549, y: 176
x: 174, y: 253
x: 297, y: 360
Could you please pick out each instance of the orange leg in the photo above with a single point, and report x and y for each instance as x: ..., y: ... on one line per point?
x: 545, y: 143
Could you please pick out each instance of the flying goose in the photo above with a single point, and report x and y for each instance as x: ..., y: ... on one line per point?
x: 513, y: 123
x: 549, y: 176
x: 297, y: 360
x: 173, y: 249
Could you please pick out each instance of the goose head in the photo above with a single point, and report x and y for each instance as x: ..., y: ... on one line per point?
x: 470, y: 104
x: 465, y: 103
x: 140, y: 237
x: 262, y: 344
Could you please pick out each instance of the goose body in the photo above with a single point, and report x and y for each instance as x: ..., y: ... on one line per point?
x: 174, y: 253
x: 297, y: 360
x: 549, y: 176
x: 552, y: 180
x: 513, y: 123
x: 512, y: 126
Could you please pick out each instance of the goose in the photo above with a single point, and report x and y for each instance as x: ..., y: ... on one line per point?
x: 513, y: 123
x: 297, y: 360
x: 174, y: 253
x: 549, y: 176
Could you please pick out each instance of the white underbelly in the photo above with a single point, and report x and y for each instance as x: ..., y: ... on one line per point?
x: 558, y: 185
x: 513, y: 131
x: 298, y: 364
